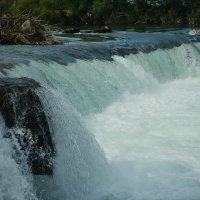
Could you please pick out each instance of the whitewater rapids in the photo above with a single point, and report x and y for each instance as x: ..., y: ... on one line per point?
x: 143, y: 110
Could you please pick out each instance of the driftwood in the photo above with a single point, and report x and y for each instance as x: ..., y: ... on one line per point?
x: 25, y: 29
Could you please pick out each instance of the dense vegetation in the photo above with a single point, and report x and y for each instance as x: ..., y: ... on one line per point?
x: 168, y: 12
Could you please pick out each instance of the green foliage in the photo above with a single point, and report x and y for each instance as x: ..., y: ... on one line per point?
x: 5, y: 6
x: 108, y: 11
x: 101, y: 10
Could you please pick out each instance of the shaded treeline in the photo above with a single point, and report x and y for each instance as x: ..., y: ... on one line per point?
x: 167, y: 12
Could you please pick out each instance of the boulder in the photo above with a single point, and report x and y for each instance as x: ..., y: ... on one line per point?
x: 27, y: 123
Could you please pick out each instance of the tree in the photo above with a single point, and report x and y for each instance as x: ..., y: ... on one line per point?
x: 5, y: 6
x: 101, y: 10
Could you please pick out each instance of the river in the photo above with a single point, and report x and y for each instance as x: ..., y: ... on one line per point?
x: 125, y: 114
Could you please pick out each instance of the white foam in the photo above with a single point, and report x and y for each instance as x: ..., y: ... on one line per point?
x: 14, y: 183
x: 194, y: 32
x: 153, y: 139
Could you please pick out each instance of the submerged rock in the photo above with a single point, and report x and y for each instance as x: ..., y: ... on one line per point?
x: 26, y: 121
x: 104, y: 29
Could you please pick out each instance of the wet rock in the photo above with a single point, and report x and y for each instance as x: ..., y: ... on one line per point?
x: 104, y: 29
x: 26, y: 121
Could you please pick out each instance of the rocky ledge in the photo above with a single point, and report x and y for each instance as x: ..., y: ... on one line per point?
x: 27, y: 123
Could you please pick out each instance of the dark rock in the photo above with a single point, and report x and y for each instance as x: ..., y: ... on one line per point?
x: 22, y: 110
x: 104, y: 29
x: 71, y: 30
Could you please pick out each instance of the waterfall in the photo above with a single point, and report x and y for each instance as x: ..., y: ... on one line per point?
x: 15, y: 183
x: 124, y: 127
x: 80, y: 165
x: 49, y: 145
x: 90, y: 86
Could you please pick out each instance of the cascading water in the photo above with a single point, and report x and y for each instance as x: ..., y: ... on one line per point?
x: 143, y: 111
x: 80, y: 164
x: 15, y: 183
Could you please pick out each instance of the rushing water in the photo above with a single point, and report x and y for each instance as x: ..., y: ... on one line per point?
x: 126, y: 127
